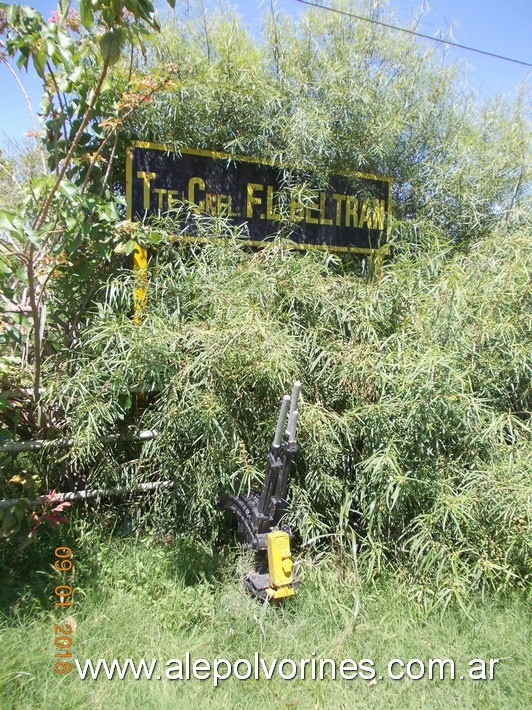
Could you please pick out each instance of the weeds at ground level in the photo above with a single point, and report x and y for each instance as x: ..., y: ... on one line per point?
x: 142, y: 598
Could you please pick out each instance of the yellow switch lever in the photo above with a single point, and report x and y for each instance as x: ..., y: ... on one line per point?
x: 280, y: 563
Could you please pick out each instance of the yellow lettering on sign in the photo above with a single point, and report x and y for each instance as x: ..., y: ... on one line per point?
x: 338, y: 199
x: 323, y: 219
x: 297, y: 211
x: 230, y: 212
x: 378, y: 214
x: 270, y: 214
x: 173, y: 197
x: 192, y: 184
x: 222, y: 204
x: 365, y: 217
x: 308, y: 210
x: 211, y: 203
x: 351, y: 211
x: 147, y: 177
x: 160, y: 192
x: 253, y: 187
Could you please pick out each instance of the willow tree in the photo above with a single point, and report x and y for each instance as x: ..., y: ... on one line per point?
x: 327, y: 92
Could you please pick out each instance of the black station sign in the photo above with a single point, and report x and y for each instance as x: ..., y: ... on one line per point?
x: 347, y: 213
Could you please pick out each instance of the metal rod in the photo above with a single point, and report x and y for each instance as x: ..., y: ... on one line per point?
x: 15, y: 447
x: 285, y: 403
x: 89, y: 494
x: 292, y: 433
x: 281, y: 485
x: 296, y: 390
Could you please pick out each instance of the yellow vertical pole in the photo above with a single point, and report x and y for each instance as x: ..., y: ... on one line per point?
x: 140, y: 269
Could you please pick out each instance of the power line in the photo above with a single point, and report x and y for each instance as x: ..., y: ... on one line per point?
x: 411, y: 32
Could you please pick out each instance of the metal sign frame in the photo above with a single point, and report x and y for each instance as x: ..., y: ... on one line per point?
x: 263, y: 202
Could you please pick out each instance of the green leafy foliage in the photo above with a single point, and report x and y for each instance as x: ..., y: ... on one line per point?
x: 58, y: 223
x: 415, y: 423
x: 416, y: 392
x: 328, y: 93
x: 57, y: 231
x: 111, y: 43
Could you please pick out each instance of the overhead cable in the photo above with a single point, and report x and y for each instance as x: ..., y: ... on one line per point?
x: 412, y: 32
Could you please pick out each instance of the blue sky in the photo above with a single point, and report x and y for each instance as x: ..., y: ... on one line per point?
x: 499, y: 26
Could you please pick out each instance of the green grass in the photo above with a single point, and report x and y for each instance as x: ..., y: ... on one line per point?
x: 155, y: 599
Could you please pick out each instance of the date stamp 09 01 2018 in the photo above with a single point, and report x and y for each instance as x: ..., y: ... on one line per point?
x: 63, y: 592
